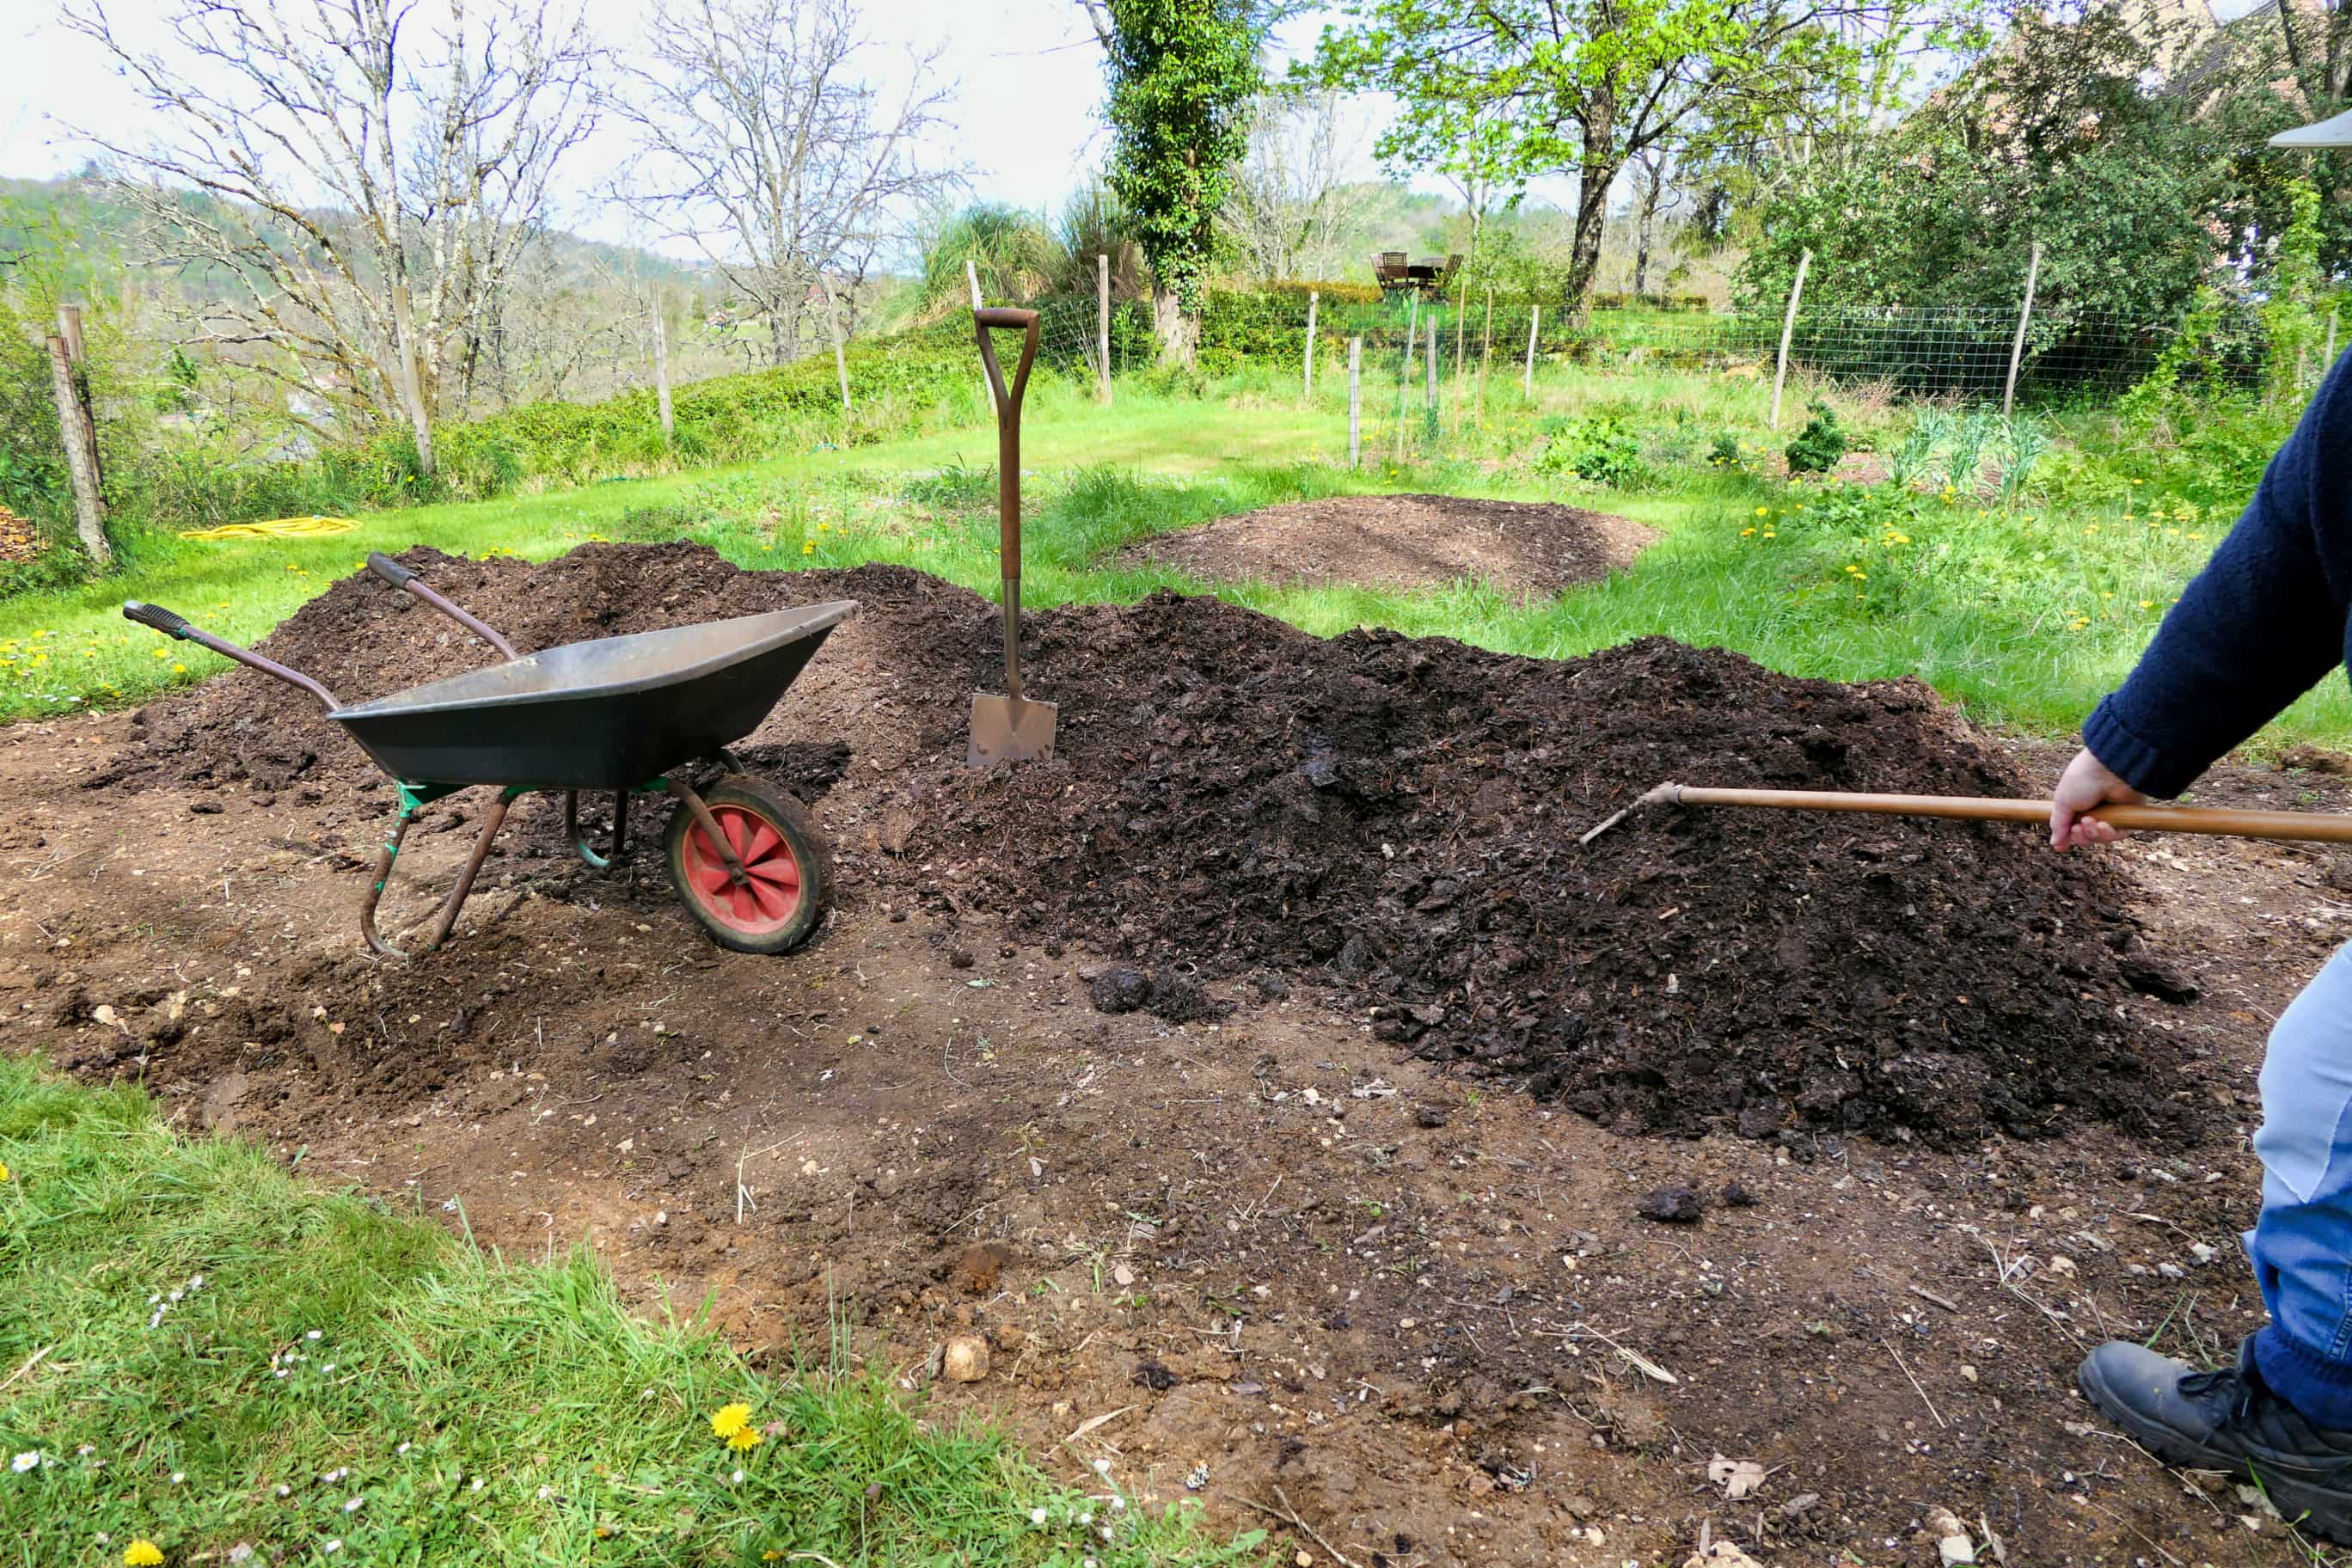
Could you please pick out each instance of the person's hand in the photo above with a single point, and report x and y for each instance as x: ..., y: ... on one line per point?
x: 2086, y: 783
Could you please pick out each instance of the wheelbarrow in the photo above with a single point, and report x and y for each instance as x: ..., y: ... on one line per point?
x: 625, y: 715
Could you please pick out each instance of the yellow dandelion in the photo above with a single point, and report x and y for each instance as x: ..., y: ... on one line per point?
x: 1763, y: 512
x: 746, y: 1439
x: 4, y: 1171
x: 179, y: 668
x: 163, y: 653
x: 142, y: 1554
x: 729, y: 1419
x: 2147, y: 604
x: 808, y: 547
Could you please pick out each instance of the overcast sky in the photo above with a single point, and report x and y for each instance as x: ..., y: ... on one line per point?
x: 1026, y: 108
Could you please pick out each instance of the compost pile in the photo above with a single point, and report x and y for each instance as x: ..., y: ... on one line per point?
x: 1234, y: 800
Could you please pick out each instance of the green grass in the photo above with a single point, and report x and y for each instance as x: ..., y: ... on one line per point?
x: 2027, y: 616
x: 485, y: 1411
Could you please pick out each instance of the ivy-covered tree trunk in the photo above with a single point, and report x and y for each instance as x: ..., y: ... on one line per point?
x: 1178, y: 329
x: 1182, y: 76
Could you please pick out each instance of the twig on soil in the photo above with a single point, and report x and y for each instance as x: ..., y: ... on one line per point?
x: 1289, y: 1516
x: 1927, y: 1295
x: 1640, y: 1362
x: 1091, y: 1422
x: 2004, y: 1269
x: 1915, y: 1381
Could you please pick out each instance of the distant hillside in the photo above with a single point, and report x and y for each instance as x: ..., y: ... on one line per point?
x: 106, y: 240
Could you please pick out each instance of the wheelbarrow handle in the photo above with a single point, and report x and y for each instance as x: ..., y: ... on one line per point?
x: 400, y: 576
x: 1008, y: 425
x: 158, y: 618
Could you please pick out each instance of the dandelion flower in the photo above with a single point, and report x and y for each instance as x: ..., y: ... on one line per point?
x: 729, y: 1419
x: 4, y: 1171
x: 142, y: 1554
x: 746, y: 1439
x: 1763, y: 512
x: 178, y: 668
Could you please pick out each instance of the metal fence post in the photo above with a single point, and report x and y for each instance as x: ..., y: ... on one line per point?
x: 1307, y: 384
x: 1102, y: 325
x: 1528, y: 383
x: 1429, y: 363
x: 1355, y: 403
x: 1485, y: 356
x: 2017, y: 344
x: 1788, y: 326
x: 661, y: 368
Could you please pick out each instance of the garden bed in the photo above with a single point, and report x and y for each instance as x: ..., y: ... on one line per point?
x: 1406, y: 542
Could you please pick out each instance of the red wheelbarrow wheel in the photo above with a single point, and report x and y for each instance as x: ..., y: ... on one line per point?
x: 790, y: 880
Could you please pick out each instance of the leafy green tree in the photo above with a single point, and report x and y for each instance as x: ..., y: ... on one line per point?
x: 1182, y: 74
x: 2049, y: 137
x: 1527, y: 87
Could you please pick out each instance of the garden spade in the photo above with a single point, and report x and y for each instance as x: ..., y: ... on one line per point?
x: 1010, y: 728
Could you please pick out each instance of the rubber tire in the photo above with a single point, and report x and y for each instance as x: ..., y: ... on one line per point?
x: 790, y: 820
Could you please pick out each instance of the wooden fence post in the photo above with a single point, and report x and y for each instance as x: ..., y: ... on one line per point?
x: 1307, y: 383
x: 1461, y: 324
x: 1527, y: 384
x: 90, y: 515
x: 833, y: 326
x: 661, y: 369
x: 2331, y: 338
x: 2017, y: 344
x: 1355, y: 403
x: 1788, y: 326
x: 1102, y: 325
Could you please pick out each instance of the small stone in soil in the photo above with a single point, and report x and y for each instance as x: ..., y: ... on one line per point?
x: 960, y: 958
x: 1429, y: 1116
x: 1676, y: 1203
x: 1156, y: 1377
x: 1737, y: 1194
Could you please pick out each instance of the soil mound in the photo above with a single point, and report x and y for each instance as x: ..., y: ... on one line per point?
x: 1394, y: 817
x: 1406, y: 542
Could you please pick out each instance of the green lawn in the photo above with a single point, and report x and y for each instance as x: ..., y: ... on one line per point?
x: 208, y: 1349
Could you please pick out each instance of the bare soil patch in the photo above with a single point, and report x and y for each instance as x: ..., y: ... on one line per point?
x: 1269, y: 1242
x: 1407, y: 541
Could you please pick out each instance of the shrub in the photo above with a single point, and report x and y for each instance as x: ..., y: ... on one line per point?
x: 1333, y: 290
x: 1820, y: 445
x: 1600, y: 450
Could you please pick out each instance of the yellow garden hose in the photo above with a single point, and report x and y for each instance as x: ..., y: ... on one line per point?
x: 275, y: 528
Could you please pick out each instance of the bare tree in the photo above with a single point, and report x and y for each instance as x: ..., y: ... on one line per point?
x: 1653, y: 198
x: 1291, y: 200
x: 370, y: 179
x: 759, y: 142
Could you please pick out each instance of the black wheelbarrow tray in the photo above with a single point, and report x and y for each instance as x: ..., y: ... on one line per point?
x: 621, y: 714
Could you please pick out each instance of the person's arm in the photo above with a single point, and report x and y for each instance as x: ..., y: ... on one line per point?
x: 2255, y: 629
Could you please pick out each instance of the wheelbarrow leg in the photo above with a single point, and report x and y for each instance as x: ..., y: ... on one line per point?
x: 383, y: 859
x: 580, y: 841
x: 448, y: 918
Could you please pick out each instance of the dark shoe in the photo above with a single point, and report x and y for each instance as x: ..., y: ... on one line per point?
x: 2227, y: 1421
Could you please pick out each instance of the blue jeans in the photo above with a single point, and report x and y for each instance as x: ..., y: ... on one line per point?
x: 2301, y: 1244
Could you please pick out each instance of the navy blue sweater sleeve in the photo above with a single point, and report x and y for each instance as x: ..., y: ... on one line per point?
x: 2258, y: 628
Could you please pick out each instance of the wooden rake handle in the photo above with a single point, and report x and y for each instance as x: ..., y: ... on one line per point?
x: 2321, y: 827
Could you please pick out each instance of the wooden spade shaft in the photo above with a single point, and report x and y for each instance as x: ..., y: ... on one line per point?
x: 2305, y: 826
x: 2313, y: 827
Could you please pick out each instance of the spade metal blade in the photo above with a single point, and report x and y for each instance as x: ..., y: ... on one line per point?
x: 1010, y: 730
